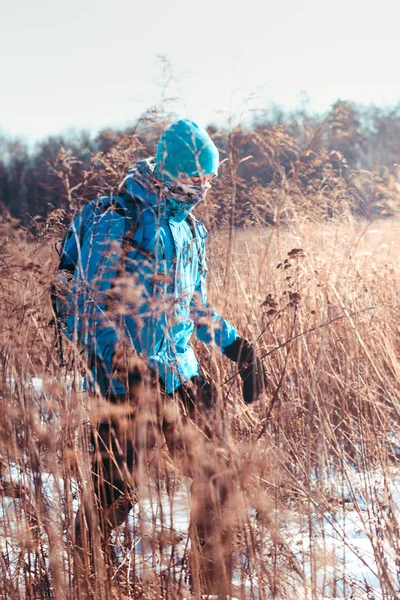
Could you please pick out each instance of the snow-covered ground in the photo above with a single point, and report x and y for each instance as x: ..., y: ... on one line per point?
x: 338, y: 553
x: 341, y: 553
x: 337, y: 550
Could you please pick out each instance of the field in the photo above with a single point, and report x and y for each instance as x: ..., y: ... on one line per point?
x: 318, y: 512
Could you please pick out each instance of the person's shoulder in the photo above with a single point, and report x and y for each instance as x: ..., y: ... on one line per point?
x: 140, y: 182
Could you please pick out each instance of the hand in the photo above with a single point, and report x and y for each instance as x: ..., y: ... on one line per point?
x: 250, y: 367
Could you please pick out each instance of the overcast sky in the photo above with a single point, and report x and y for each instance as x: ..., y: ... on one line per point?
x: 91, y: 63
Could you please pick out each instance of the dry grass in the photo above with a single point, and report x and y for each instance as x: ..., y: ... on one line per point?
x: 321, y: 300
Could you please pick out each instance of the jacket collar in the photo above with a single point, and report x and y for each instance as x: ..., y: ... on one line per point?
x: 142, y: 184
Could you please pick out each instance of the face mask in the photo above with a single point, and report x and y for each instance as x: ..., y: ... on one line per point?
x: 186, y: 194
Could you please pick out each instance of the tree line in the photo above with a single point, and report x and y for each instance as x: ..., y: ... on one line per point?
x: 283, y: 161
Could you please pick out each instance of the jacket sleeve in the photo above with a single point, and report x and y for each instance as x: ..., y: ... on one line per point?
x: 70, y: 258
x: 210, y: 327
x: 74, y: 236
x: 95, y: 273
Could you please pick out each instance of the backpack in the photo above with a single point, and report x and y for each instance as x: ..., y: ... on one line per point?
x: 69, y: 249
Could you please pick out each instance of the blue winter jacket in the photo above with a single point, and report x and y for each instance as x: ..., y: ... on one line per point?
x: 141, y: 278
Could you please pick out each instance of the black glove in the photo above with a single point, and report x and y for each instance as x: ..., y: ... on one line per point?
x: 250, y: 368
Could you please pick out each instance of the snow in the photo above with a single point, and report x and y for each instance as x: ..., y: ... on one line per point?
x: 341, y: 551
x: 342, y: 545
x: 343, y: 542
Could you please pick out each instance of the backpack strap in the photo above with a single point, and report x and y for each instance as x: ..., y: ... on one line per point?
x: 129, y: 241
x: 198, y: 230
